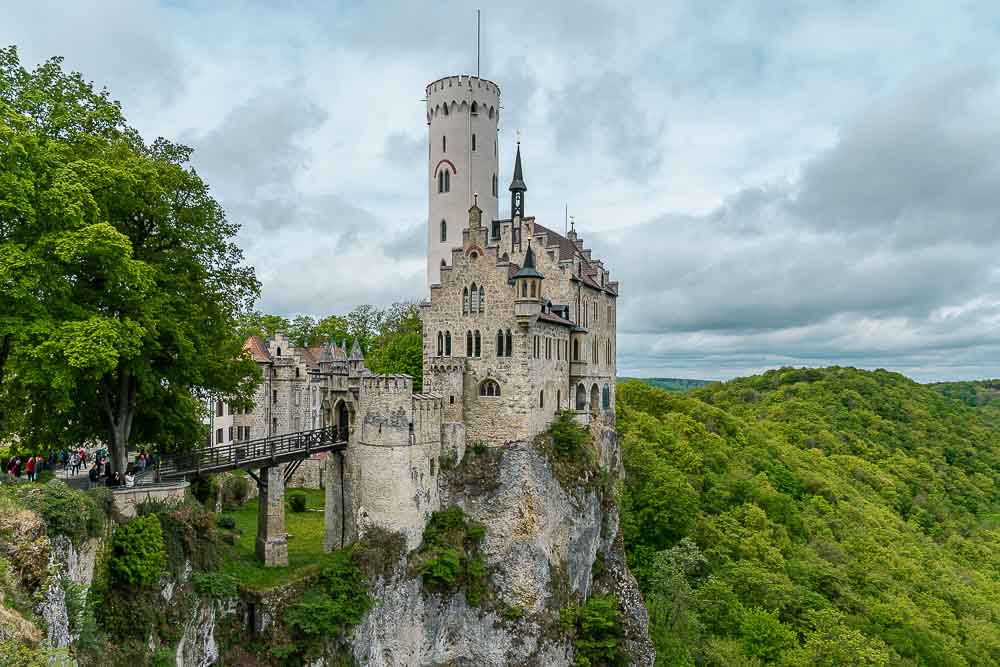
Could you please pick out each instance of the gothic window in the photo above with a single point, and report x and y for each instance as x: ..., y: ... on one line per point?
x: 482, y: 299
x: 440, y: 344
x: 499, y: 342
x: 541, y: 398
x: 489, y: 388
x: 443, y: 263
x: 509, y: 343
x: 581, y: 397
x: 447, y: 343
x: 606, y: 398
x: 279, y: 351
x: 532, y: 288
x: 576, y: 350
x: 441, y: 181
x: 473, y: 139
x: 465, y: 300
x: 444, y: 231
x: 468, y: 343
x: 218, y: 408
x: 477, y: 343
x: 474, y: 296
x: 447, y: 181
x: 524, y: 289
x: 475, y: 110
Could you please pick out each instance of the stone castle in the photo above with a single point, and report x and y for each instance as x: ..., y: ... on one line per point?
x: 519, y: 324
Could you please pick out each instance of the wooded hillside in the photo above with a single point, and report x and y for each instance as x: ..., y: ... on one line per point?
x: 814, y: 517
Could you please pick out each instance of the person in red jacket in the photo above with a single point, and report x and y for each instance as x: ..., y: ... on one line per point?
x: 29, y: 468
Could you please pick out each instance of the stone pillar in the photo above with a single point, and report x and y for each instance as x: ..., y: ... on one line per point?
x: 335, y: 520
x: 272, y: 545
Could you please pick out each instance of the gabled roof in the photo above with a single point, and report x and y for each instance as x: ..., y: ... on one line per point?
x: 258, y: 350
x: 555, y: 319
x: 566, y: 247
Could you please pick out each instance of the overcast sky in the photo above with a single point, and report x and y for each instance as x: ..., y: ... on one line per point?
x: 773, y: 183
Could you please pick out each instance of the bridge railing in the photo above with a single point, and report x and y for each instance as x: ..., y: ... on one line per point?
x: 249, y: 453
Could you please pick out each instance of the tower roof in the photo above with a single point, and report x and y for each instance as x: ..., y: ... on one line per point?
x: 518, y: 182
x: 528, y: 270
x: 356, y: 354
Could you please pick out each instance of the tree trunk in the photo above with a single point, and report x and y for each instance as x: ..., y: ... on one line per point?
x: 118, y: 398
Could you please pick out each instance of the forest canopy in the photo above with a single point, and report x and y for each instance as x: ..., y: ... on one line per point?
x: 814, y: 517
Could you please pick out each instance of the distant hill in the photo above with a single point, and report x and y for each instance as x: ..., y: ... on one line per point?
x: 815, y: 517
x: 976, y: 393
x: 672, y: 384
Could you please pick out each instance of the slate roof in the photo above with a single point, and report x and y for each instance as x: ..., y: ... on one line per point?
x: 258, y: 350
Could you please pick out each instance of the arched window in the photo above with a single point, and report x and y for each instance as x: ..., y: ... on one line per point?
x: 482, y: 299
x: 447, y: 181
x: 444, y: 230
x: 489, y: 388
x: 532, y: 288
x: 447, y: 343
x: 581, y: 397
x: 524, y: 288
x: 474, y: 299
x: 443, y: 263
x: 499, y: 342
x: 477, y: 341
x: 279, y: 351
x: 576, y: 350
x: 606, y: 398
x: 465, y: 300
x: 441, y: 180
x: 440, y: 344
x: 541, y: 398
x: 468, y: 343
x: 509, y: 343
x: 594, y: 397
x: 475, y: 108
x: 473, y: 137
x: 446, y: 109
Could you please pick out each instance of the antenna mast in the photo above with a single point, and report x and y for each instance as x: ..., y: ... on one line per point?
x: 477, y: 43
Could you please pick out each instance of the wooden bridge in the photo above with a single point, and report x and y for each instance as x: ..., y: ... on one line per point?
x: 275, y: 458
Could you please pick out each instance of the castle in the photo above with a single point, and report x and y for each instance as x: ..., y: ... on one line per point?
x: 519, y: 324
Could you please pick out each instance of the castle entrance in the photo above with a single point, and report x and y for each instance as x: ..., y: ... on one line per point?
x: 342, y: 417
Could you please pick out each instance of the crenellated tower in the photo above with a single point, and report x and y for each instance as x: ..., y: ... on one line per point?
x: 463, y: 115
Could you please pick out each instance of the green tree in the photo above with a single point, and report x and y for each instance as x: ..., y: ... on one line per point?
x: 302, y: 331
x: 126, y: 286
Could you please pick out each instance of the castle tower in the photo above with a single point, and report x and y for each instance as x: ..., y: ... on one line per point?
x: 463, y: 114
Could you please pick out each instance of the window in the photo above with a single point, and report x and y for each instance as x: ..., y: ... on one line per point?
x: 440, y: 344
x: 441, y: 181
x: 606, y: 398
x: 218, y: 408
x: 558, y: 398
x: 218, y: 436
x: 532, y: 288
x: 537, y: 347
x: 499, y: 342
x: 509, y: 343
x: 447, y: 343
x: 298, y: 397
x: 489, y: 388
x: 473, y: 141
x: 495, y: 188
x: 477, y: 343
x: 451, y: 399
x: 474, y: 296
x: 230, y: 434
x: 274, y: 425
x: 447, y: 181
x: 524, y: 289
x: 475, y: 109
x: 465, y: 300
x: 576, y: 350
x: 274, y: 396
x: 482, y: 299
x: 443, y: 263
x: 559, y: 344
x: 279, y: 351
x: 541, y: 398
x: 444, y: 231
x: 444, y: 142
x: 246, y: 432
x: 468, y: 343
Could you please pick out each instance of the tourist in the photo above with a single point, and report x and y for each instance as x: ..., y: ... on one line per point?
x: 29, y: 468
x: 75, y: 463
x: 142, y: 462
x: 129, y: 479
x: 39, y: 466
x: 94, y: 476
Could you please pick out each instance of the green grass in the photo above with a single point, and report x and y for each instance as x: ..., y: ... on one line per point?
x: 305, y: 545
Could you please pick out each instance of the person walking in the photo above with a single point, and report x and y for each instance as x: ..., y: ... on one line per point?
x: 93, y: 475
x: 29, y: 468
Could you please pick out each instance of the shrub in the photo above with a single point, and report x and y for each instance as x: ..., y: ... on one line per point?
x: 16, y: 654
x: 449, y: 557
x: 567, y: 437
x: 189, y: 536
x: 297, y: 501
x: 334, y: 604
x: 216, y: 585
x: 205, y: 490
x: 478, y: 447
x: 379, y: 551
x: 66, y: 511
x: 235, y: 491
x: 514, y: 613
x: 226, y: 522
x: 137, y: 553
x: 597, y: 627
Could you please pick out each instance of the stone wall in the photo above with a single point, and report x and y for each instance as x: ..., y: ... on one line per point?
x: 126, y: 500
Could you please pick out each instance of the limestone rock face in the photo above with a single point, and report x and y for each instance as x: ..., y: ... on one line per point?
x: 541, y: 544
x: 65, y: 562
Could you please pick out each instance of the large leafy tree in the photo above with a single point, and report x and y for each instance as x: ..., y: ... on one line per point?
x: 122, y: 287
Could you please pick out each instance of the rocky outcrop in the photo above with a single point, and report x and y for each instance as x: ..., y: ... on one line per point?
x: 541, y: 544
x: 68, y: 566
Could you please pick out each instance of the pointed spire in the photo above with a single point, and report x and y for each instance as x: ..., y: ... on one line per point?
x: 528, y: 270
x: 356, y: 354
x: 517, y: 185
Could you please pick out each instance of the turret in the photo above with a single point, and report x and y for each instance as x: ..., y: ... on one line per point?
x: 463, y: 114
x: 528, y: 290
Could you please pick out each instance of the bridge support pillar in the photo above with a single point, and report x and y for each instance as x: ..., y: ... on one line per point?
x: 272, y: 543
x: 337, y: 508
